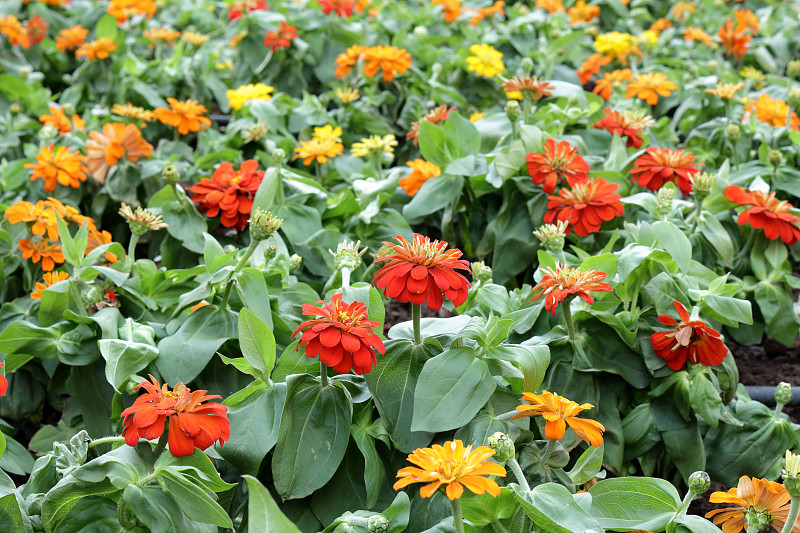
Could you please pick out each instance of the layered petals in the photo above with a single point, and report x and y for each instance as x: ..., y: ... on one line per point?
x: 563, y: 281
x: 586, y: 206
x: 691, y: 340
x: 229, y: 193
x: 660, y: 165
x: 752, y: 495
x: 767, y: 213
x: 559, y: 412
x: 559, y: 162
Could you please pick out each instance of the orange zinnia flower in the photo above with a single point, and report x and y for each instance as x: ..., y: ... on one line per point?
x: 592, y: 66
x: 422, y: 171
x: 451, y: 9
x: 104, y: 149
x: 319, y: 150
x: 752, y: 494
x: 421, y: 271
x: 649, y: 86
x: 696, y: 34
x: 586, y: 206
x: 157, y: 35
x: 582, y: 12
x: 50, y: 278
x: 747, y: 19
x: 42, y: 250
x: 100, y: 238
x: 453, y: 466
x: 563, y: 281
x: 552, y: 6
x: 42, y: 216
x: 3, y: 382
x: 660, y: 25
x: 98, y: 49
x: 280, y: 38
x: 11, y: 27
x: 728, y: 91
x: 681, y: 10
x: 343, y: 8
x: 605, y: 87
x: 558, y: 412
x: 773, y: 111
x: 534, y: 87
x: 734, y: 40
x: 692, y: 340
x: 390, y: 60
x: 229, y: 191
x: 240, y: 7
x: 37, y: 30
x: 59, y: 120
x: 58, y: 165
x: 69, y: 214
x: 122, y: 10
x: 186, y: 116
x: 484, y: 13
x: 558, y: 162
x: 347, y: 60
x: 660, y: 165
x: 192, y: 424
x: 342, y: 337
x: 624, y: 125
x: 434, y: 116
x: 766, y: 212
x: 71, y: 38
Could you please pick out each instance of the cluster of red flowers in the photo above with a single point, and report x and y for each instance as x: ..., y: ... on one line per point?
x: 230, y: 192
x: 691, y: 340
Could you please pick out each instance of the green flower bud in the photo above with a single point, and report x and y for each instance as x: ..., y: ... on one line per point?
x: 263, y: 225
x: 481, y: 272
x: 664, y: 200
x: 255, y: 133
x: 270, y: 253
x: 733, y: 132
x: 526, y: 66
x: 775, y: 157
x: 171, y: 174
x: 420, y: 32
x: 783, y: 393
x: 699, y: 482
x: 14, y: 109
x: 794, y: 97
x: 68, y: 109
x: 793, y: 69
x: 703, y: 182
x: 712, y: 65
x: 552, y: 235
x: 377, y: 523
x: 24, y: 72
x: 278, y: 156
x: 757, y: 520
x: 47, y: 133
x: 347, y: 255
x: 296, y: 261
x: 503, y: 447
x: 513, y: 110
x: 791, y: 474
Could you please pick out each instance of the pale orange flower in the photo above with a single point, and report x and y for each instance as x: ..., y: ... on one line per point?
x: 116, y: 141
x: 161, y: 35
x: 759, y: 495
x: 98, y: 49
x: 696, y: 34
x: 534, y: 87
x: 42, y: 250
x: 649, y: 87
x: 726, y: 91
x: 484, y: 13
x: 552, y: 6
x: 50, y: 278
x: 11, y: 27
x: 390, y: 60
x: 582, y: 12
x: 422, y: 171
x: 186, y: 116
x: 59, y: 120
x: 69, y: 214
x: 347, y: 60
x: 681, y: 10
x: 58, y: 165
x: 558, y: 412
x: 122, y: 10
x: 451, y: 9
x: 747, y: 19
x: 71, y: 38
x: 773, y: 111
x: 611, y: 80
x: 43, y: 218
x: 660, y: 25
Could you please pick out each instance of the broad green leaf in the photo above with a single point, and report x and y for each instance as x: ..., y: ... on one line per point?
x: 254, y: 293
x: 93, y: 514
x: 256, y: 342
x: 106, y: 27
x: 193, y: 500
x: 705, y: 399
x: 374, y: 472
x: 212, y: 250
x: 156, y: 510
x: 776, y: 305
x: 674, y: 242
x: 634, y: 503
x: 127, y: 357
x: 435, y: 194
x: 185, y: 223
x: 588, y: 465
x: 13, y: 514
x: 729, y: 311
x: 25, y: 338
x: 553, y: 509
x: 263, y: 514
x: 484, y: 509
x: 531, y: 360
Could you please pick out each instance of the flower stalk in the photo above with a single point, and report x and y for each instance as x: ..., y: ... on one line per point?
x: 242, y: 262
x: 458, y: 517
x: 568, y: 319
x: 416, y: 315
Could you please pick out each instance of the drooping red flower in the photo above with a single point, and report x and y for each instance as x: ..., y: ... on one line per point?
x: 242, y: 7
x: 622, y: 125
x: 767, y: 212
x: 282, y: 38
x: 421, y: 271
x: 558, y: 162
x: 192, y: 423
x: 660, y: 165
x: 586, y: 206
x: 230, y: 192
x: 560, y: 282
x: 343, y: 8
x: 342, y: 337
x: 692, y: 340
x: 3, y: 382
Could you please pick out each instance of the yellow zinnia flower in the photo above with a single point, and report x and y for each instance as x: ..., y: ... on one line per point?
x: 327, y: 133
x: 244, y: 93
x: 617, y: 45
x: 320, y: 151
x: 558, y: 412
x: 374, y: 144
x: 485, y: 61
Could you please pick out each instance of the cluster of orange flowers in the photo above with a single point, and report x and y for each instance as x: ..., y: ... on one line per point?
x: 452, y: 9
x: 122, y: 10
x: 32, y: 33
x: 389, y: 60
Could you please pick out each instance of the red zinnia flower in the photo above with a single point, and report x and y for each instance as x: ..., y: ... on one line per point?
x: 240, y: 7
x: 767, y: 212
x: 558, y: 161
x: 624, y: 126
x: 192, y: 424
x: 562, y: 281
x: 434, y: 116
x: 3, y: 383
x: 37, y: 30
x: 660, y: 165
x: 692, y: 341
x: 282, y: 38
x: 734, y: 39
x: 343, y: 337
x: 343, y: 8
x: 230, y: 191
x: 420, y: 271
x: 586, y: 206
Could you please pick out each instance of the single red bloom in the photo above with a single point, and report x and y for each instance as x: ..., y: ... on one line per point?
x: 586, y: 206
x: 343, y: 8
x: 734, y: 39
x: 619, y: 123
x: 435, y: 116
x: 420, y: 271
x: 558, y: 162
x: 242, y: 7
x: 660, y: 165
x: 562, y: 281
x: 192, y: 424
x: 3, y: 383
x: 767, y: 212
x: 229, y: 191
x: 343, y: 337
x: 36, y: 29
x: 691, y: 341
x: 282, y: 38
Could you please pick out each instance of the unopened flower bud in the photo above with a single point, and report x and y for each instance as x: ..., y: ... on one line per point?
x: 270, y: 252
x: 733, y: 131
x: 712, y: 64
x: 526, y: 66
x: 68, y: 109
x: 775, y: 157
x: 14, y: 109
x: 420, y: 32
x: 664, y: 200
x: 513, y: 110
x: 699, y: 482
x: 278, y: 156
x: 756, y: 519
x: 481, y: 272
x: 263, y: 225
x: 24, y: 72
x: 794, y: 97
x: 793, y: 69
x: 552, y: 235
x: 377, y: 523
x: 791, y: 474
x: 228, y: 248
x: 296, y: 261
x: 255, y: 133
x: 703, y: 182
x: 347, y: 255
x: 47, y: 133
x: 783, y: 393
x: 503, y: 447
x: 171, y: 174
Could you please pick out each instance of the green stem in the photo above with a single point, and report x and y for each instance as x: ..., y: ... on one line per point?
x: 105, y: 440
x: 323, y: 374
x: 548, y: 451
x: 776, y: 414
x: 345, y: 277
x: 132, y: 246
x: 791, y: 518
x: 458, y: 518
x: 513, y: 464
x: 497, y: 526
x: 568, y: 320
x: 526, y: 108
x: 243, y: 261
x: 690, y: 494
x: 416, y: 315
x: 697, y: 212
x: 162, y: 443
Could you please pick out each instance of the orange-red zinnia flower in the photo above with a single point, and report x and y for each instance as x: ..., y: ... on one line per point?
x: 558, y: 162
x: 41, y: 214
x: 592, y: 66
x: 71, y: 38
x: 734, y: 39
x: 192, y: 423
x: 558, y: 412
x: 186, y: 116
x: 122, y: 10
x: 117, y: 140
x: 753, y: 495
x: 11, y: 27
x: 619, y: 123
x: 421, y: 171
x: 692, y: 340
x: 605, y: 87
x: 58, y: 165
x: 280, y: 38
x: 58, y: 120
x: 240, y: 7
x: 342, y: 337
x: 586, y: 206
x: 49, y: 278
x: 582, y: 12
x: 422, y: 270
x: 390, y: 60
x: 767, y: 212
x: 660, y: 165
x: 230, y: 192
x: 98, y: 49
x: 37, y: 29
x: 451, y: 9
x: 435, y: 116
x: 562, y: 281
x: 343, y: 8
x: 772, y: 111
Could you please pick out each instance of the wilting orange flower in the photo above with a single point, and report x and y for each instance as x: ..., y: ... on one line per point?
x: 624, y: 125
x: 422, y: 171
x: 692, y: 340
x: 37, y: 29
x: 347, y: 60
x: 563, y: 281
x: 728, y: 91
x: 343, y: 8
x: 59, y: 120
x: 41, y: 214
x: 586, y: 206
x: 435, y: 116
x: 696, y: 34
x: 752, y: 494
x: 230, y: 192
x: 280, y: 38
x: 116, y: 141
x: 100, y: 238
x: 390, y: 60
x: 3, y: 382
x: 558, y: 412
x: 582, y: 12
x: 453, y: 466
x: 69, y: 214
x: 558, y: 162
x: 122, y: 10
x: 592, y: 66
x: 747, y: 19
x: 342, y: 337
x: 451, y: 8
x: 421, y: 271
x: 773, y: 111
x: 605, y: 87
x: 649, y: 87
x: 484, y: 13
x: 98, y: 49
x: 159, y: 35
x: 660, y: 25
x: 192, y: 423
x: 734, y: 40
x: 58, y: 165
x: 50, y: 278
x: 11, y: 27
x: 660, y: 165
x: 519, y: 86
x: 71, y: 38
x: 767, y: 212
x: 185, y: 115
x: 318, y: 150
x: 42, y: 250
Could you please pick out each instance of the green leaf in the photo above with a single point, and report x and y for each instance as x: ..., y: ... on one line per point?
x: 72, y: 247
x: 193, y: 500
x: 106, y: 27
x: 705, y: 399
x: 484, y: 509
x: 435, y: 194
x: 156, y: 510
x: 127, y: 357
x: 254, y: 293
x: 312, y: 437
x: 13, y: 515
x: 531, y: 360
x: 93, y: 514
x: 553, y: 509
x: 720, y: 241
x: 185, y: 223
x: 588, y: 465
x: 263, y: 514
x: 268, y: 192
x: 374, y: 472
x: 212, y: 250
x: 67, y: 492
x: 634, y: 503
x: 776, y: 305
x: 729, y: 311
x: 452, y: 388
x: 25, y: 338
x: 256, y: 342
x: 674, y: 242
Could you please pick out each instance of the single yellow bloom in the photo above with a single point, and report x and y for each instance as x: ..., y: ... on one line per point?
x: 485, y: 61
x: 245, y: 93
x: 617, y: 45
x: 327, y: 133
x: 374, y: 144
x: 476, y: 116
